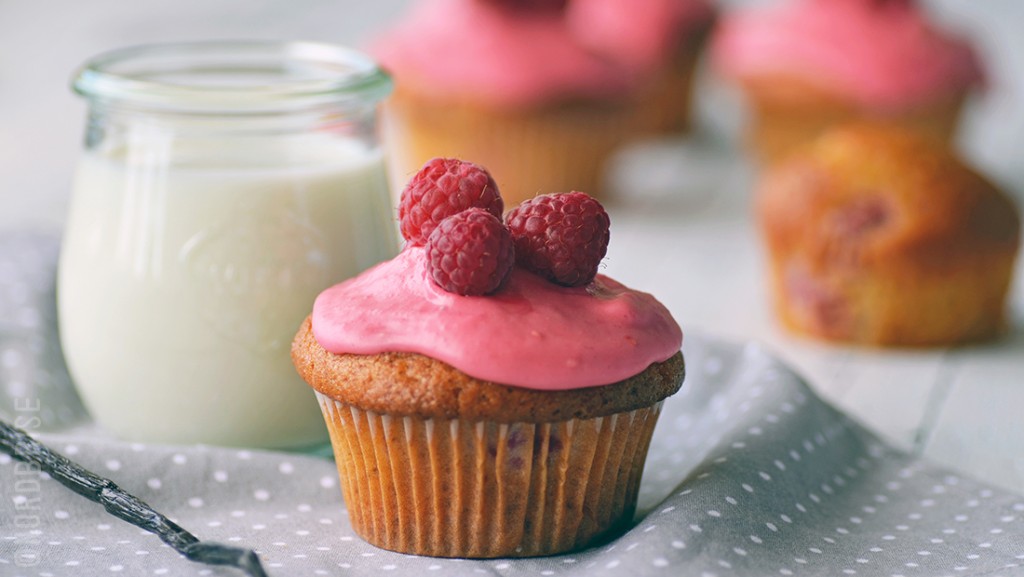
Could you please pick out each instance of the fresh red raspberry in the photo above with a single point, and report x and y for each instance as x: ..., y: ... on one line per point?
x: 560, y: 236
x: 443, y: 187
x: 470, y: 253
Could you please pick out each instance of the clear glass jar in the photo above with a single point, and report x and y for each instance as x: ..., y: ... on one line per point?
x: 223, y: 185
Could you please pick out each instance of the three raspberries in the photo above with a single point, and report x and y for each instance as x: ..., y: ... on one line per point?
x: 453, y: 208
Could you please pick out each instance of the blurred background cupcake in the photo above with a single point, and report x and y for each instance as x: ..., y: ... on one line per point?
x: 805, y: 65
x: 541, y: 92
x: 661, y: 38
x: 879, y: 235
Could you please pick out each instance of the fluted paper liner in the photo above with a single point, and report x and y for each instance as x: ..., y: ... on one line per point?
x: 779, y: 127
x: 529, y: 152
x: 457, y: 488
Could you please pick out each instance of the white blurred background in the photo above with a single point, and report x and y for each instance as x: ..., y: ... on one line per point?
x: 42, y: 43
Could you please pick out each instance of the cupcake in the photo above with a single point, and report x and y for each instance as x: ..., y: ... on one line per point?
x: 806, y: 65
x: 878, y: 235
x: 486, y: 392
x: 663, y: 37
x: 541, y: 92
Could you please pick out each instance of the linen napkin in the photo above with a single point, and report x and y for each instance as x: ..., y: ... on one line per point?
x: 749, y: 473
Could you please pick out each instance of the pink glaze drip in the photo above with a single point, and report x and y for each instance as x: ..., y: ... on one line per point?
x: 878, y: 53
x: 531, y: 333
x: 490, y: 53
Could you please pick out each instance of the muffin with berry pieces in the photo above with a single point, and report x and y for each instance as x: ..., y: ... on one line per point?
x: 879, y: 236
x: 807, y: 65
x: 487, y: 393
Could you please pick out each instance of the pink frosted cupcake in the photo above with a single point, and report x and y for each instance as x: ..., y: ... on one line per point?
x: 662, y: 37
x: 488, y: 393
x: 806, y: 65
x: 540, y: 92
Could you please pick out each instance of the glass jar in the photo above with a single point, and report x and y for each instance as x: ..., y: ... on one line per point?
x: 223, y: 185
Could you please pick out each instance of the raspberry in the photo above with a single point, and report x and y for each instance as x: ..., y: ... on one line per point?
x: 562, y: 237
x: 443, y: 187
x: 470, y: 253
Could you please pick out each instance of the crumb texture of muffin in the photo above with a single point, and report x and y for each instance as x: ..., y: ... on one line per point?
x: 877, y: 235
x: 410, y: 384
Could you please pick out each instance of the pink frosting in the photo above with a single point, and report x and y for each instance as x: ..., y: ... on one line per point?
x: 880, y: 53
x: 486, y: 52
x: 640, y: 33
x: 531, y: 333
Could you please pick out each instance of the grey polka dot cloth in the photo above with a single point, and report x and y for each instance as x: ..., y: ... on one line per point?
x: 33, y: 378
x: 749, y: 474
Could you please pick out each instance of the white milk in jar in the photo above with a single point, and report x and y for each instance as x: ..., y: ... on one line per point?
x: 193, y: 251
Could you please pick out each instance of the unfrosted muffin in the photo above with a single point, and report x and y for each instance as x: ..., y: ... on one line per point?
x: 807, y: 65
x: 511, y: 423
x: 542, y: 93
x: 877, y: 235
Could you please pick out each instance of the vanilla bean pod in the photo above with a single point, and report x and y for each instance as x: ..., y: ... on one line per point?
x: 123, y: 505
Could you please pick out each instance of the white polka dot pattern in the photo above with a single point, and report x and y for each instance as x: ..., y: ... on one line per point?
x: 748, y: 474
x: 34, y: 382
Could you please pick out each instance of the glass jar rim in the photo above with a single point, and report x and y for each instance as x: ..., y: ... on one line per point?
x: 233, y: 77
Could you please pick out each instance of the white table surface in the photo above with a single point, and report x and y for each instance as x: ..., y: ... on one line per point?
x: 689, y: 241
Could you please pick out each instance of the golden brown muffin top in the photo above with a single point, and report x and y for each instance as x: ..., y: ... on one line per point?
x: 870, y: 193
x: 413, y: 384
